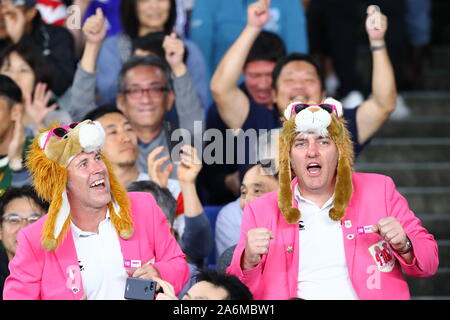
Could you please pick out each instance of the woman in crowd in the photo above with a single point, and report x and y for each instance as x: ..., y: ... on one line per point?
x: 139, y: 18
x: 25, y: 64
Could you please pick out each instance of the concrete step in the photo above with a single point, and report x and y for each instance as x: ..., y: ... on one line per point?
x: 414, y: 174
x: 430, y: 200
x: 437, y: 126
x: 444, y: 253
x: 406, y: 150
x: 430, y: 298
x: 439, y: 226
x: 439, y: 56
x: 435, y: 78
x: 437, y: 285
x: 426, y: 104
x: 434, y: 75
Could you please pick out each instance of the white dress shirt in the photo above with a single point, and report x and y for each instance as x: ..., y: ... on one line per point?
x: 323, y: 272
x: 101, y: 261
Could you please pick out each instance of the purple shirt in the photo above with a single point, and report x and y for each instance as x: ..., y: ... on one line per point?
x: 111, y: 11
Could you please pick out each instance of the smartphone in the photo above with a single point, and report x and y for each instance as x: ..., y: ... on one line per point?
x: 139, y: 289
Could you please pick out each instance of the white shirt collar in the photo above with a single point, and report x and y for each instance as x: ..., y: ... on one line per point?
x: 300, y: 198
x: 78, y: 233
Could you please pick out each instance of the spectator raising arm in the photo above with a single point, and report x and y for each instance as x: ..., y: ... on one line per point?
x: 196, y: 241
x: 187, y: 101
x: 375, y: 111
x: 161, y: 177
x: 174, y: 49
x: 233, y: 105
x: 83, y: 90
x: 82, y: 6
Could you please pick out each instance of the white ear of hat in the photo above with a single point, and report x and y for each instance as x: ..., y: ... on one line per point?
x: 316, y: 122
x: 288, y: 110
x: 42, y: 138
x: 92, y: 137
x: 337, y: 104
x: 63, y: 214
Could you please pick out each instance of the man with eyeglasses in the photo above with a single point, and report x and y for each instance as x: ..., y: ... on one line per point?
x: 299, y: 76
x: 148, y: 89
x: 146, y: 95
x: 19, y: 207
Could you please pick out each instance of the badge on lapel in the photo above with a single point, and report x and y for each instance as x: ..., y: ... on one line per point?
x: 382, y: 255
x: 73, y: 282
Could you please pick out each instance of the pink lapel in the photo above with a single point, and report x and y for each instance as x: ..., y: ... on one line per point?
x: 67, y: 258
x: 291, y: 245
x: 350, y: 234
x: 289, y: 240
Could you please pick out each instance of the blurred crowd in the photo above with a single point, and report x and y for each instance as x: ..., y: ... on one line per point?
x: 191, y: 94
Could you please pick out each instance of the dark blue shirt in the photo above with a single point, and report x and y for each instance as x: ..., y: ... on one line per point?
x: 261, y: 119
x: 240, y: 152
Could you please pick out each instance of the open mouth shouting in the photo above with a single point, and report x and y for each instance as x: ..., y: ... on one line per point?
x: 98, y: 184
x: 313, y: 168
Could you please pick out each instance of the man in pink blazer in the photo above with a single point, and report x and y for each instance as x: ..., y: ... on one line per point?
x: 329, y: 233
x: 95, y: 235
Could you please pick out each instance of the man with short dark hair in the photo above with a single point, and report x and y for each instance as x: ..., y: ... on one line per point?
x: 120, y: 143
x: 210, y: 285
x: 297, y: 76
x: 163, y: 197
x: 246, y: 106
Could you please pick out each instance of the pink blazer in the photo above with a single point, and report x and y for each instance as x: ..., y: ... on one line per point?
x: 40, y: 274
x: 372, y: 276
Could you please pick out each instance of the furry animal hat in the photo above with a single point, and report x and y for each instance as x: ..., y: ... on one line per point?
x: 50, y: 154
x: 325, y: 120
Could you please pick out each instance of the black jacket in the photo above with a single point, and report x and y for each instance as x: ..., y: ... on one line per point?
x: 58, y: 48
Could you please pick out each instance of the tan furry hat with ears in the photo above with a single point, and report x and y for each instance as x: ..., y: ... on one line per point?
x: 324, y: 119
x: 47, y: 161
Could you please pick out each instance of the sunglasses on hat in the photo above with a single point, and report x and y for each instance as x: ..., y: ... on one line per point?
x: 59, y: 132
x: 330, y: 108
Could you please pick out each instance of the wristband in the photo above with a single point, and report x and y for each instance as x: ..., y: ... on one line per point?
x: 376, y: 48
